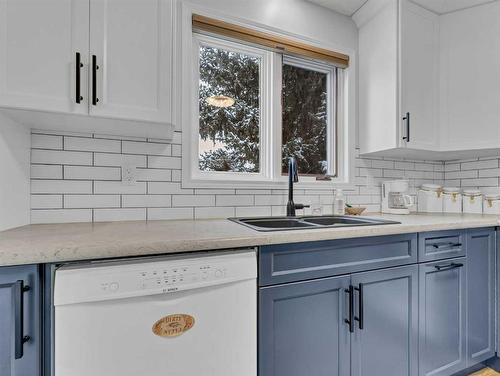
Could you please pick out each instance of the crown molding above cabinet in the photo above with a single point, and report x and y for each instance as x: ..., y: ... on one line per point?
x: 428, y: 84
x: 88, y: 66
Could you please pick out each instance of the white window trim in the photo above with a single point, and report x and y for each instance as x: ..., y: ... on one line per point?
x: 270, y: 176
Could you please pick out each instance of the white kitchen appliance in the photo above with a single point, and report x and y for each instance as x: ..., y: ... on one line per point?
x: 394, y: 197
x: 175, y: 316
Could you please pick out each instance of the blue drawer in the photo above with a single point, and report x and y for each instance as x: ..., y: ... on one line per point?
x: 301, y: 261
x: 438, y: 245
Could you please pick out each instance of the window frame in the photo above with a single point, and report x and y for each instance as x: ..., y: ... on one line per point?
x: 270, y: 166
x: 331, y: 123
x: 265, y: 57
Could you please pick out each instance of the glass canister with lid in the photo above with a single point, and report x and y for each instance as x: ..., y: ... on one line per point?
x: 430, y: 198
x: 491, y: 202
x: 452, y: 200
x: 472, y: 201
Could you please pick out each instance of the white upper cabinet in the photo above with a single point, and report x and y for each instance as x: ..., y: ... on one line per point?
x: 398, y: 76
x: 470, y: 78
x: 124, y: 48
x: 419, y: 67
x: 39, y: 41
x: 131, y: 42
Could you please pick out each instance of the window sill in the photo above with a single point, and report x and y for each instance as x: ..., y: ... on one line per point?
x: 264, y: 184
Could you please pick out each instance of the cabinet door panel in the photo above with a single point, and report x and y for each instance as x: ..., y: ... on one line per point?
x: 38, y: 45
x: 442, y: 312
x: 387, y: 343
x: 29, y: 362
x: 419, y: 74
x: 132, y: 42
x: 480, y: 295
x: 302, y: 329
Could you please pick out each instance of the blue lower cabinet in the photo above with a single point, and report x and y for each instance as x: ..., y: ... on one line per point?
x: 442, y: 317
x: 19, y: 321
x: 385, y: 340
x: 302, y: 330
x: 481, y: 279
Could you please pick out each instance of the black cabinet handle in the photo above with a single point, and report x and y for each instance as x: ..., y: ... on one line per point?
x: 447, y: 245
x: 407, y: 120
x: 448, y: 267
x: 359, y: 318
x: 350, y: 320
x: 18, y: 290
x: 95, y: 67
x: 78, y: 66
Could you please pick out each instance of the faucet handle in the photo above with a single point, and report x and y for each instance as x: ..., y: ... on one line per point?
x: 301, y: 206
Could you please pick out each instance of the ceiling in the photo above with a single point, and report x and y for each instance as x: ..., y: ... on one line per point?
x: 349, y: 7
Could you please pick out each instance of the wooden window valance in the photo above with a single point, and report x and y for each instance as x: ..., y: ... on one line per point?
x: 286, y: 45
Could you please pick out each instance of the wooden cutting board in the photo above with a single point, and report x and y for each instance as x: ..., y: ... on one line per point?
x: 485, y: 372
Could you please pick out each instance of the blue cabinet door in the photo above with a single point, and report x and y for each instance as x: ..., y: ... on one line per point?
x: 480, y: 295
x: 302, y: 329
x: 442, y: 313
x: 19, y: 321
x: 385, y: 341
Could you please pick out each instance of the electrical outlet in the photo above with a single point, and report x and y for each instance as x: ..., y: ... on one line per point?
x: 129, y: 174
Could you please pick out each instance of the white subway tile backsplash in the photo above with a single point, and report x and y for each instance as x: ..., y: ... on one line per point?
x: 46, y: 172
x: 467, y: 174
x: 234, y: 200
x: 167, y: 188
x: 91, y: 201
x: 214, y: 212
x: 82, y: 182
x: 46, y: 201
x: 105, y: 215
x: 92, y: 144
x: 253, y: 211
x: 164, y: 162
x: 266, y: 200
x: 61, y: 186
x: 117, y: 187
x: 117, y: 160
x: 382, y: 164
x: 483, y: 182
x: 191, y: 200
x: 477, y: 165
x: 61, y: 216
x: 493, y: 172
x: 60, y: 157
x: 44, y: 141
x: 170, y: 213
x: 92, y: 173
x: 146, y: 201
x: 146, y: 148
x: 148, y: 174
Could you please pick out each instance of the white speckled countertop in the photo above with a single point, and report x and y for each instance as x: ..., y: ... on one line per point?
x: 85, y: 241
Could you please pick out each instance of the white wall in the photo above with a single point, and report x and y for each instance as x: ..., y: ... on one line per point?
x: 294, y: 16
x: 14, y: 174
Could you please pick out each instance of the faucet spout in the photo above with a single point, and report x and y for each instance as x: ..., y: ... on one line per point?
x: 293, y: 177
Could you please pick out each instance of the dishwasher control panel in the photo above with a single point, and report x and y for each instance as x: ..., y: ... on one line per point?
x: 154, y: 276
x: 181, y: 274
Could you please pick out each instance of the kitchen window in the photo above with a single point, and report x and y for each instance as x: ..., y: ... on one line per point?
x: 253, y: 107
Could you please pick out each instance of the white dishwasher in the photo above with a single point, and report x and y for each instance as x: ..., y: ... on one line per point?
x: 172, y: 316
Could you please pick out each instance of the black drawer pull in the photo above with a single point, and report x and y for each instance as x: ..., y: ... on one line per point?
x: 95, y: 67
x: 446, y: 245
x: 78, y: 66
x: 448, y: 267
x: 350, y: 320
x: 360, y: 318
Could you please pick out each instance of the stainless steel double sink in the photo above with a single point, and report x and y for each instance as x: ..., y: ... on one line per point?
x: 311, y: 222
